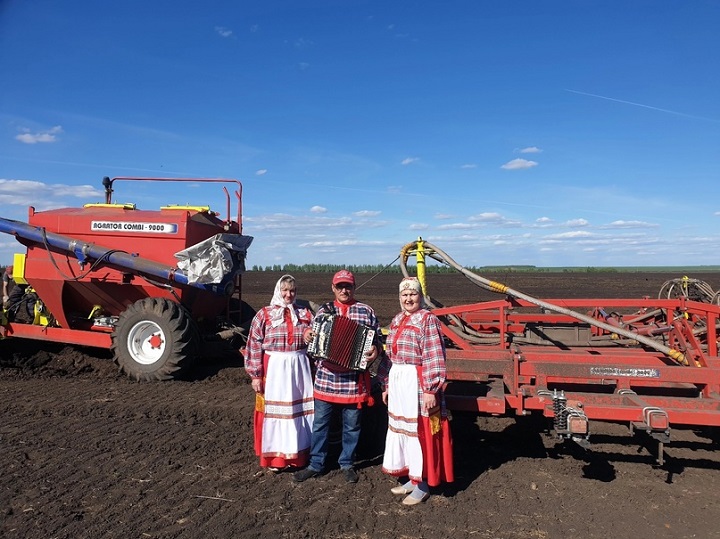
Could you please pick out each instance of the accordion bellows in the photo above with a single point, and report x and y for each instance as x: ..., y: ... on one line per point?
x: 341, y: 341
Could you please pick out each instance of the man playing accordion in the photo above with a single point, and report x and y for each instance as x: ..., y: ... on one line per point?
x: 338, y: 387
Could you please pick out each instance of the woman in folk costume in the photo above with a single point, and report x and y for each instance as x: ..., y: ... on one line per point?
x: 418, y: 444
x: 277, y: 362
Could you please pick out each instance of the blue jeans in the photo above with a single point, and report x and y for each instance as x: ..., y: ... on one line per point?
x: 351, y: 415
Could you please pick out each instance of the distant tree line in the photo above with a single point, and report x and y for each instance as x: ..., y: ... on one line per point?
x: 430, y: 268
x: 332, y: 268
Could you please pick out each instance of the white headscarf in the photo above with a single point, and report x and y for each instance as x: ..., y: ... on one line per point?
x: 278, y: 305
x: 412, y: 283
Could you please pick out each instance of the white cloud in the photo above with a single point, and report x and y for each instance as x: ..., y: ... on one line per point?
x: 575, y: 234
x: 299, y: 227
x: 441, y: 216
x: 366, y: 213
x: 455, y: 238
x: 531, y: 149
x: 222, y: 31
x: 546, y: 222
x: 486, y: 217
x: 43, y: 196
x: 483, y: 220
x: 343, y: 243
x: 419, y: 226
x: 49, y: 135
x: 294, y: 225
x: 456, y: 226
x: 410, y: 160
x: 493, y: 218
x: 519, y: 164
x: 577, y: 222
x: 468, y: 165
x: 630, y: 224
x: 261, y: 172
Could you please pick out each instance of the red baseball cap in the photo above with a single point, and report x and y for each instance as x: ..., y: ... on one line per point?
x: 344, y: 276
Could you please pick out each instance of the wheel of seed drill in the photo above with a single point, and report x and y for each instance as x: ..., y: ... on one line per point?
x: 155, y: 339
x: 693, y: 289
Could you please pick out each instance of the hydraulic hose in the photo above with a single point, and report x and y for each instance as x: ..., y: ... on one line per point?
x: 437, y: 254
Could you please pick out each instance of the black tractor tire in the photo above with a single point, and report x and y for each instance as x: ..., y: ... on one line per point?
x: 155, y: 339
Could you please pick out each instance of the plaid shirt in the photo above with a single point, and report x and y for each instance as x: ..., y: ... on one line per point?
x: 417, y: 340
x: 265, y: 338
x: 351, y: 386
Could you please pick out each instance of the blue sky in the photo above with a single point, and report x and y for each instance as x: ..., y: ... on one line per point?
x: 551, y: 133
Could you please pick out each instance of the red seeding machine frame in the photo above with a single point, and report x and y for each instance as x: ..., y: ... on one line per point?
x: 650, y: 363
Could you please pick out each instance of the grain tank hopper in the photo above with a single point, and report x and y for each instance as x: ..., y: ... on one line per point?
x: 651, y: 364
x: 152, y: 286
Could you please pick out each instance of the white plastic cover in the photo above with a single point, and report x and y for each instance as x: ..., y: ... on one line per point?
x: 211, y: 260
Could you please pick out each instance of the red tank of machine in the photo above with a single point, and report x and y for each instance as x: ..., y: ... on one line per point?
x: 145, y: 283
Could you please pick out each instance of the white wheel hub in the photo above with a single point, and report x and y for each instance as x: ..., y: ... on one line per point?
x: 146, y: 342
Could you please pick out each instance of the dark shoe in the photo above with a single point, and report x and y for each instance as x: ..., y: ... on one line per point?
x: 304, y: 475
x: 351, y: 475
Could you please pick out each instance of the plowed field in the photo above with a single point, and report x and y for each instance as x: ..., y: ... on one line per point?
x: 87, y: 453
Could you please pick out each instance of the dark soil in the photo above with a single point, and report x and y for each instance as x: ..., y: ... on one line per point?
x: 87, y: 453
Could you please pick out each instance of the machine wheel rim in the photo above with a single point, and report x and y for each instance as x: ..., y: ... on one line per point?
x: 146, y: 342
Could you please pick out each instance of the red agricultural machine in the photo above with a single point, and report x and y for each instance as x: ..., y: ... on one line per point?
x: 650, y: 363
x: 152, y: 286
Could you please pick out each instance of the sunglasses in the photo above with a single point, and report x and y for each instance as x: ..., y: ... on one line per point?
x: 345, y: 286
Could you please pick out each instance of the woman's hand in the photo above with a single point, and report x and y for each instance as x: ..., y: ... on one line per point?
x: 257, y: 385
x: 385, y: 396
x: 308, y: 335
x: 428, y: 402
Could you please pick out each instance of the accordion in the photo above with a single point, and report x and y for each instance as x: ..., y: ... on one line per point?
x: 341, y: 341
